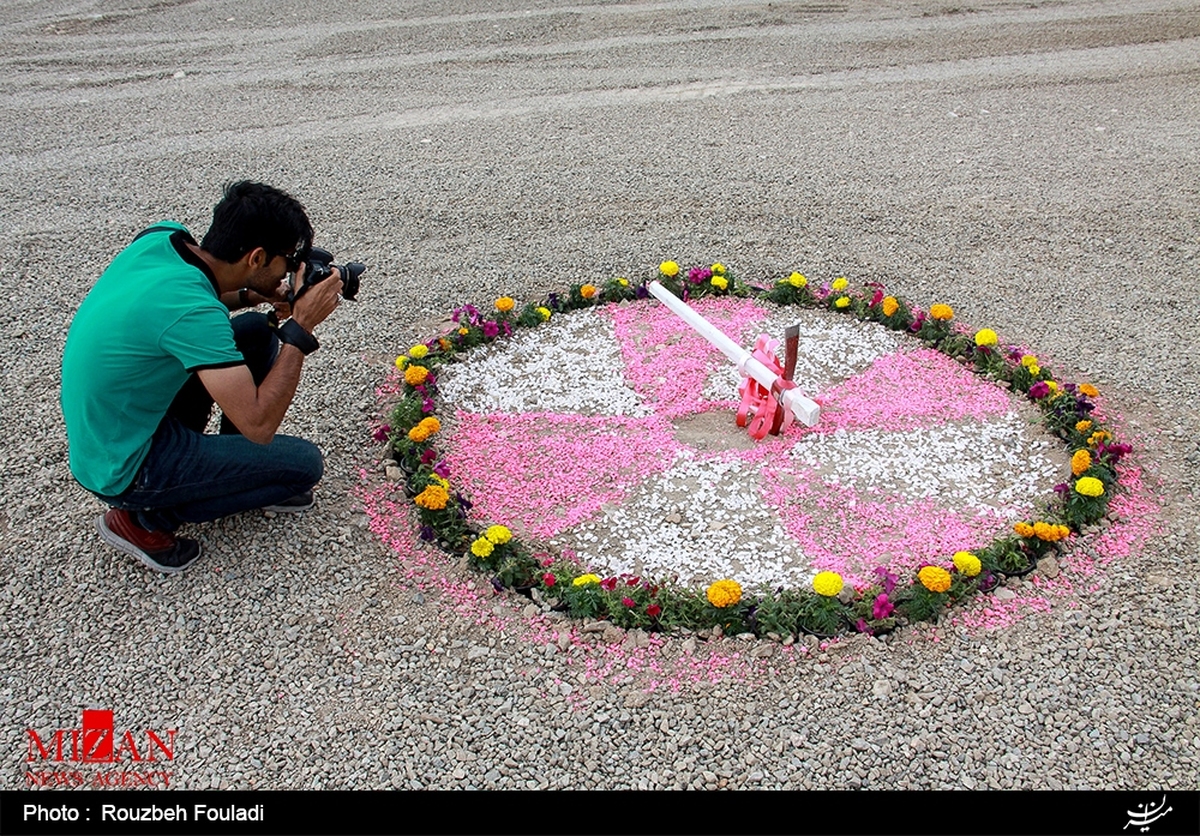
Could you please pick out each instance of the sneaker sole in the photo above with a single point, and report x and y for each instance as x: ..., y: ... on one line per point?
x: 289, y: 509
x: 121, y: 544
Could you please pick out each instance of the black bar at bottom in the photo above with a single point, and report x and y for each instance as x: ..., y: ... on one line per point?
x: 306, y: 813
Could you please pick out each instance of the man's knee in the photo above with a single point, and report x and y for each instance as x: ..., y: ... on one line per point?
x: 257, y: 342
x: 306, y: 460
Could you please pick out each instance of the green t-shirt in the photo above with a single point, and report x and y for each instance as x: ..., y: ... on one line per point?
x: 151, y: 319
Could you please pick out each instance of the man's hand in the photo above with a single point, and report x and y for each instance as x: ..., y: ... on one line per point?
x: 318, y: 301
x: 257, y: 411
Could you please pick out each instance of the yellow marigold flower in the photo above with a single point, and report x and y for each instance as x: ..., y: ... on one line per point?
x: 505, y: 304
x: 1035, y: 369
x: 1089, y: 390
x: 482, y: 547
x: 587, y: 291
x: 1023, y: 529
x: 462, y: 332
x: 1053, y: 387
x: 1083, y: 426
x: 544, y: 313
x: 498, y: 534
x: 1028, y: 361
x: 433, y: 497
x: 985, y: 337
x: 669, y: 269
x: 719, y: 282
x: 943, y: 313
x: 584, y: 580
x: 724, y: 593
x: 797, y: 280
x: 1098, y: 436
x: 415, y: 375
x: 1080, y: 462
x: 402, y: 361
x: 718, y: 269
x: 623, y: 282
x: 934, y: 578
x: 840, y: 283
x: 890, y: 305
x: 967, y: 563
x: 418, y: 351
x: 1089, y: 486
x: 828, y: 584
x: 842, y: 302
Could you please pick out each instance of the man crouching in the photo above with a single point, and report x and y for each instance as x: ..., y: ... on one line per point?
x: 153, y: 346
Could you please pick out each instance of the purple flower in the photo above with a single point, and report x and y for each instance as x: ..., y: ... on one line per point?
x: 882, y: 607
x: 918, y: 321
x: 862, y: 627
x: 888, y: 580
x: 381, y: 434
x: 463, y: 502
x: 553, y: 303
x: 1062, y: 488
x: 641, y: 292
x: 428, y: 405
x: 442, y: 469
x: 427, y: 533
x: 490, y: 330
x: 1039, y: 390
x: 428, y: 456
x: 507, y: 329
x: 697, y: 275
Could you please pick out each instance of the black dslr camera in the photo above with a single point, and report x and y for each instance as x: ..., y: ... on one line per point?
x: 320, y: 268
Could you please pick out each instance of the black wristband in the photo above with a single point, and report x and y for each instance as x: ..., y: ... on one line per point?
x: 244, y: 297
x: 292, y: 333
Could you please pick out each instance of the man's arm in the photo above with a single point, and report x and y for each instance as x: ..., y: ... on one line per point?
x: 257, y: 411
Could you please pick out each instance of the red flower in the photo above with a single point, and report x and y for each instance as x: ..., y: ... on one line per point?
x: 629, y: 602
x: 633, y: 581
x: 654, y: 610
x: 548, y: 579
x: 608, y: 583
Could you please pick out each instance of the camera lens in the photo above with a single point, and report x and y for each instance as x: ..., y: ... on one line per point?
x: 350, y: 274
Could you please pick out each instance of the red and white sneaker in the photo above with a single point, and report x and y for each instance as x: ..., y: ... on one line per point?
x: 160, y: 550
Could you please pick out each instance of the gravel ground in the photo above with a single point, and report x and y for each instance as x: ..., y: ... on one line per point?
x: 1033, y: 165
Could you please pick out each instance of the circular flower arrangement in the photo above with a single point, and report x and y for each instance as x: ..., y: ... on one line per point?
x: 609, y: 481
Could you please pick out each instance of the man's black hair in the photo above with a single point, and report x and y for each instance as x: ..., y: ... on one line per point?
x: 257, y: 215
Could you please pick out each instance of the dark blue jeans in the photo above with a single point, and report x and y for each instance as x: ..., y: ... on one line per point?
x: 189, y: 476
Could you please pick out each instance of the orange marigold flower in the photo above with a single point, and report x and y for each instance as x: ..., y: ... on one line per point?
x: 1023, y: 529
x: 433, y: 497
x: 934, y: 578
x: 942, y: 312
x: 505, y: 303
x: 1098, y: 436
x: 1044, y: 531
x: 1083, y: 426
x: 1089, y: 390
x: 587, y: 291
x: 415, y: 375
x: 1080, y: 462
